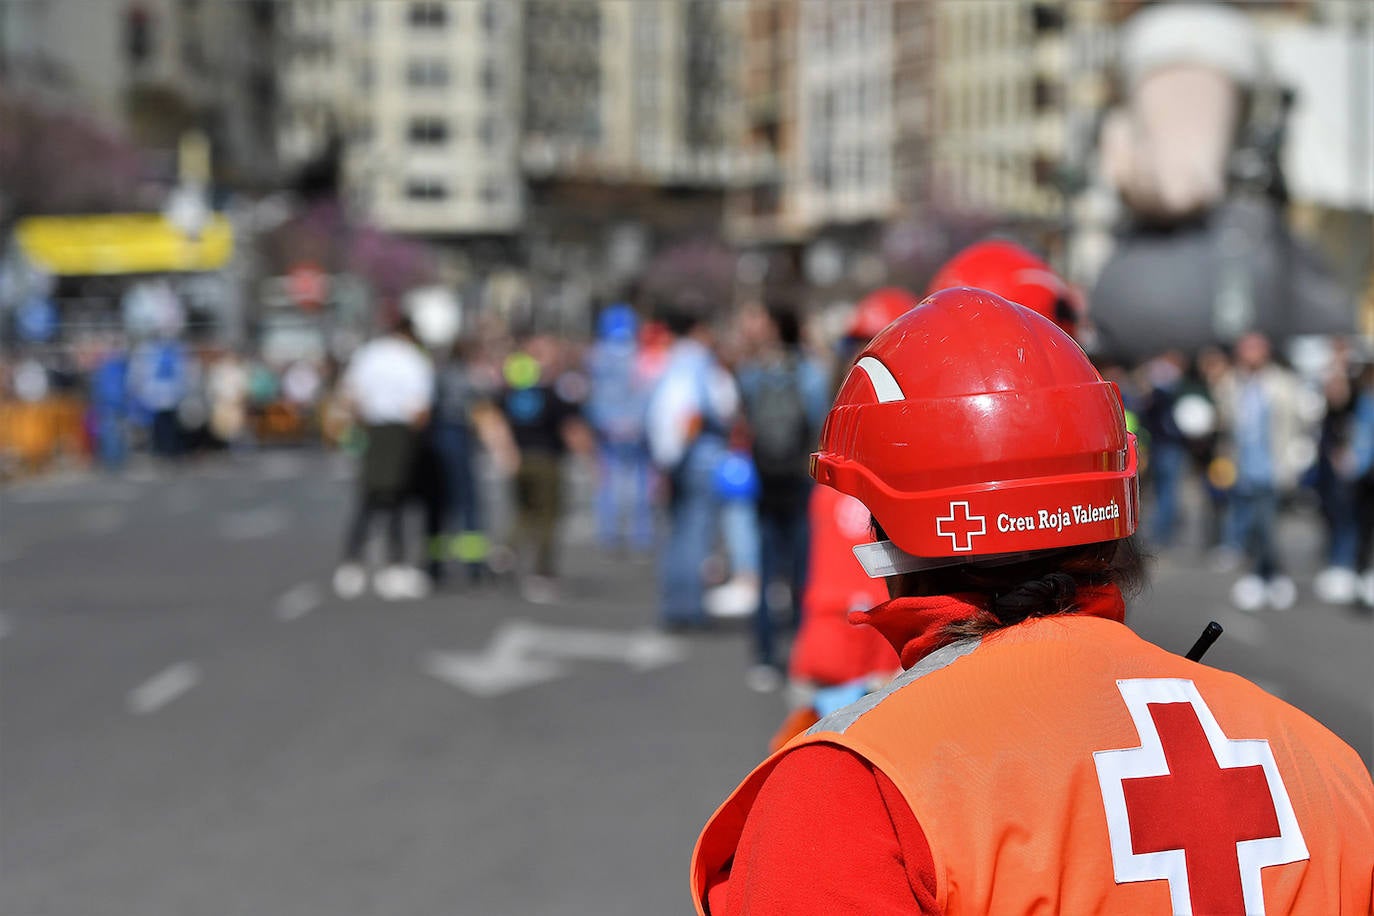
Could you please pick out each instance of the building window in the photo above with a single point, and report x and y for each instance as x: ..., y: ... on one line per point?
x: 428, y: 15
x: 492, y: 193
x: 490, y: 80
x: 365, y: 74
x: 1046, y: 94
x: 820, y: 167
x: 491, y: 16
x: 426, y: 73
x: 428, y: 189
x: 427, y: 131
x: 488, y: 131
x: 140, y: 35
x: 1046, y: 17
x: 367, y: 15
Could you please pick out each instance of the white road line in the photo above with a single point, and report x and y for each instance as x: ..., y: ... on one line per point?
x: 163, y: 688
x: 299, y: 601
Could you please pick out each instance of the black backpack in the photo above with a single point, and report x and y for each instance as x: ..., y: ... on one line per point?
x: 783, y: 437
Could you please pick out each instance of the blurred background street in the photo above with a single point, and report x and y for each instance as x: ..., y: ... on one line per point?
x: 194, y: 724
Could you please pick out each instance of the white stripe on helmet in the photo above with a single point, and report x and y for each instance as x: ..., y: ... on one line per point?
x: 884, y: 384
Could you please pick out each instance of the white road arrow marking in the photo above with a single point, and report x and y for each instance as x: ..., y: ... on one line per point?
x: 163, y: 688
x: 522, y: 654
x: 298, y: 602
x: 502, y: 668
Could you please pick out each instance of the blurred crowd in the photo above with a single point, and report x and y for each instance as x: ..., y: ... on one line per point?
x: 163, y: 396
x: 699, y: 429
x: 1241, y: 438
x: 696, y: 426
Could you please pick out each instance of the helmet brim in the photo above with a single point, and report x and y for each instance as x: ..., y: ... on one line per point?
x: 881, y: 559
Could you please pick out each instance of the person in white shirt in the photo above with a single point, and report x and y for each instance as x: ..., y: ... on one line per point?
x: 689, y: 417
x: 389, y: 386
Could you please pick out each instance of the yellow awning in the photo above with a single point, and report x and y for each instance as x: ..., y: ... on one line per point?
x: 125, y: 243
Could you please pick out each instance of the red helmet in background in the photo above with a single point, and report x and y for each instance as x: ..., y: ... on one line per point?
x: 879, y: 309
x: 973, y: 428
x: 1012, y: 272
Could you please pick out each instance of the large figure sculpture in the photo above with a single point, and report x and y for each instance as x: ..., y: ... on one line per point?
x: 1204, y: 254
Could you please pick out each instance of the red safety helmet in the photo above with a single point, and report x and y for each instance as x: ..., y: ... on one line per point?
x: 973, y: 428
x: 879, y: 309
x: 1013, y: 273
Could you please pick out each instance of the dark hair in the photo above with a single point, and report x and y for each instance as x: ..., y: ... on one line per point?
x: 787, y: 322
x: 684, y: 312
x: 1046, y: 583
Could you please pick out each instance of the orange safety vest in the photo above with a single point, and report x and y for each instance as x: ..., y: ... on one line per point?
x: 1065, y: 765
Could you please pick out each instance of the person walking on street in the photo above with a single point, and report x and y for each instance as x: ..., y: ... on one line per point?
x: 785, y: 398
x: 1036, y: 754
x: 615, y: 410
x: 1258, y: 408
x: 159, y: 377
x: 458, y: 534
x: 690, y: 415
x: 544, y: 421
x: 389, y: 387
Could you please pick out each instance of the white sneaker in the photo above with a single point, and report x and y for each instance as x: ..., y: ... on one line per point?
x: 1365, y: 589
x: 1248, y: 593
x: 400, y: 583
x: 736, y: 598
x: 350, y: 580
x: 1282, y: 593
x: 1336, y: 585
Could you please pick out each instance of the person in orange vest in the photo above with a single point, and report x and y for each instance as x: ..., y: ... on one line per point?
x: 1035, y: 754
x: 834, y: 663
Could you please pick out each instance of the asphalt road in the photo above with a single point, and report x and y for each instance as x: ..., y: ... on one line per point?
x: 190, y: 723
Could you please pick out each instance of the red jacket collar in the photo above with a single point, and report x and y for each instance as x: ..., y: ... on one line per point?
x: 916, y: 626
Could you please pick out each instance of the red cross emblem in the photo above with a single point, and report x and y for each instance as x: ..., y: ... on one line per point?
x: 960, y: 527
x: 1193, y: 807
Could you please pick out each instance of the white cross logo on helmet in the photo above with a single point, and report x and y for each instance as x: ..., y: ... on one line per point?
x: 960, y: 526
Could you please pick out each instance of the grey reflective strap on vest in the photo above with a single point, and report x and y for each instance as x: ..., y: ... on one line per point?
x: 840, y: 720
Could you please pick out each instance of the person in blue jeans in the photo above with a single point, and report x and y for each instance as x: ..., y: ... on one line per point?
x: 615, y: 410
x: 1168, y: 446
x: 1258, y: 403
x: 457, y: 533
x: 110, y: 408
x: 690, y: 412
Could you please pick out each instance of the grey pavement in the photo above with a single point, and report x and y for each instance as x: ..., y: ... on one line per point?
x: 191, y: 723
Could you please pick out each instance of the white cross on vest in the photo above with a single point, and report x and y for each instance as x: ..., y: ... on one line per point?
x: 1193, y: 807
